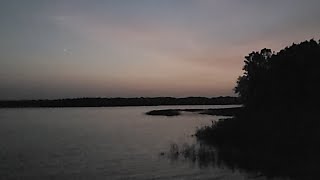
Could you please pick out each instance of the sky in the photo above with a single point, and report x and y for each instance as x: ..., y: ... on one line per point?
x: 133, y: 48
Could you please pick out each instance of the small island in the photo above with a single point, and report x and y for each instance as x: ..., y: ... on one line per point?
x: 215, y: 112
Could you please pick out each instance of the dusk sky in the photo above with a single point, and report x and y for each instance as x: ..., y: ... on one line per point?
x: 132, y: 48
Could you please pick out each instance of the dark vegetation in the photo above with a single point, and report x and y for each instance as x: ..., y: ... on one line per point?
x: 222, y: 111
x: 108, y: 102
x: 214, y: 112
x: 197, y: 153
x: 164, y: 112
x: 277, y: 132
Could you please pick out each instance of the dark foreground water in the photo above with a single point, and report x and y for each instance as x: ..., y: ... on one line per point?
x: 100, y: 143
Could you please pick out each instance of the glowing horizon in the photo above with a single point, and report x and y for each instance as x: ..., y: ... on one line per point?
x: 61, y: 49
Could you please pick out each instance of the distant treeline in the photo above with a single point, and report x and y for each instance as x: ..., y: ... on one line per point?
x: 110, y: 102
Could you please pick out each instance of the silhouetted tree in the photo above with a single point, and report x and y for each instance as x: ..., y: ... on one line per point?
x: 285, y: 79
x: 256, y: 67
x: 279, y: 123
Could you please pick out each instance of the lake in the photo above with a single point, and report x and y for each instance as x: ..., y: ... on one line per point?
x: 100, y: 143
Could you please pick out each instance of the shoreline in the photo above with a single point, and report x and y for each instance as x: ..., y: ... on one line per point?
x: 120, y: 102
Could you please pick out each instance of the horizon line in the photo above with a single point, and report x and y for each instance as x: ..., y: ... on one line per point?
x: 118, y: 97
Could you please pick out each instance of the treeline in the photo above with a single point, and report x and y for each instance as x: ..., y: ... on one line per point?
x: 279, y: 92
x: 277, y: 132
x: 286, y: 80
x: 110, y: 102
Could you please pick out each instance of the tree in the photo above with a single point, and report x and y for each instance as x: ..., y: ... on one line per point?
x: 285, y: 80
x: 256, y: 68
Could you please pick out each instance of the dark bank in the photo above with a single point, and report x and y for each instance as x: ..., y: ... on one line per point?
x: 277, y: 133
x: 114, y: 102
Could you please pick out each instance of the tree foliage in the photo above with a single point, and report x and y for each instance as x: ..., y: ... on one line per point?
x: 278, y: 128
x: 289, y: 78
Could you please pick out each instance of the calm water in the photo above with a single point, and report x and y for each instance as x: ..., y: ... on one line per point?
x: 99, y: 143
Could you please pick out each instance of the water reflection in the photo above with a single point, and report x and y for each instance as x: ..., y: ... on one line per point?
x: 257, y: 163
